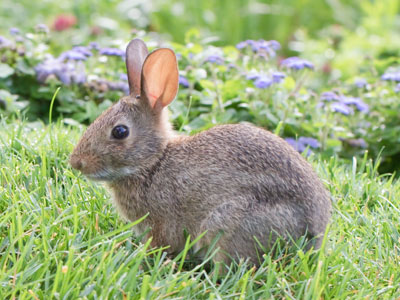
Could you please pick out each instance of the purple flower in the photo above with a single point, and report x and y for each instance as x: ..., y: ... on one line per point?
x: 46, y: 68
x: 183, y: 81
x: 123, y: 77
x: 112, y: 52
x: 397, y: 88
x: 303, y: 143
x: 241, y: 45
x: 14, y: 31
x: 4, y: 42
x: 67, y: 73
x: 329, y: 96
x: 295, y: 144
x: 360, y: 83
x: 215, y: 59
x: 391, y: 76
x: 309, y: 141
x: 263, y: 82
x: 274, y: 45
x: 72, y: 55
x: 261, y: 45
x: 252, y: 76
x: 341, y: 108
x: 359, y: 143
x: 297, y: 63
x: 42, y: 28
x: 119, y: 86
x: 360, y: 105
x: 82, y: 49
x: 94, y: 46
x: 277, y: 77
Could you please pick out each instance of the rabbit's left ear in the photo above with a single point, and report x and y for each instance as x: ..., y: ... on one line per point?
x: 160, y: 77
x: 136, y: 53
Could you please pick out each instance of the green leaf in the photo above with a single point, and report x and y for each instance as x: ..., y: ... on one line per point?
x: 24, y: 67
x: 5, y: 71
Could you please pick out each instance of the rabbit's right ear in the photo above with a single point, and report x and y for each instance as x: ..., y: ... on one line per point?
x: 136, y: 53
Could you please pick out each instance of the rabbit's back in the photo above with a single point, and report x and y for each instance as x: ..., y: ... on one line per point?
x: 238, y: 176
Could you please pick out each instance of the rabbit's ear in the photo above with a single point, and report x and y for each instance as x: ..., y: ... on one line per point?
x: 160, y: 77
x: 136, y: 53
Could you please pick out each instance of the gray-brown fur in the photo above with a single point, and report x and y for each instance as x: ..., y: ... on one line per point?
x: 240, y: 180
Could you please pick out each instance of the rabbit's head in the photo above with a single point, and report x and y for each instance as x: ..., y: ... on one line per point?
x: 132, y: 133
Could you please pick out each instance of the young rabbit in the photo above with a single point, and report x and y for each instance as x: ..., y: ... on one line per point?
x: 238, y: 180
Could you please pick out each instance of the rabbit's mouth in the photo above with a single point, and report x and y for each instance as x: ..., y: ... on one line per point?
x: 110, y: 175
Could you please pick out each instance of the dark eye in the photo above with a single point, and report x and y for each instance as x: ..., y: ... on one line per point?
x: 120, y: 132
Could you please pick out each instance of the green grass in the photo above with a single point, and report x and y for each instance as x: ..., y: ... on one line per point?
x: 60, y: 236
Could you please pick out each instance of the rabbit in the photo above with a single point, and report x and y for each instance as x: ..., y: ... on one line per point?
x: 238, y: 182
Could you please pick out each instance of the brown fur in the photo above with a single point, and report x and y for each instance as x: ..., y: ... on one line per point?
x: 240, y: 180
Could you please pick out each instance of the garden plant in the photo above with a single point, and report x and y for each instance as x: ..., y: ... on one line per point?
x: 331, y: 89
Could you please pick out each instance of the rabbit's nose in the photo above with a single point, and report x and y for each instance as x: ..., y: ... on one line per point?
x: 76, y: 163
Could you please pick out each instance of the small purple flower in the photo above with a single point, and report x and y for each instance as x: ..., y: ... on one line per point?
x: 77, y: 72
x: 46, y: 68
x: 82, y: 49
x: 232, y: 66
x: 119, y: 86
x: 397, y: 88
x: 303, y: 143
x: 94, y: 46
x: 295, y: 144
x: 112, y: 52
x: 277, y: 77
x: 241, y: 45
x: 341, y: 108
x: 261, y: 45
x: 183, y: 81
x: 123, y: 77
x: 42, y: 28
x: 309, y: 141
x: 72, y: 55
x: 215, y: 59
x: 296, y: 63
x: 360, y: 105
x: 360, y: 83
x: 329, y: 96
x: 263, y: 82
x: 4, y: 42
x: 252, y: 76
x: 67, y: 73
x: 274, y: 45
x: 391, y: 76
x: 358, y: 143
x: 14, y: 31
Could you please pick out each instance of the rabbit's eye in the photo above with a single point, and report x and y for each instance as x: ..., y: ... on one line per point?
x: 120, y: 132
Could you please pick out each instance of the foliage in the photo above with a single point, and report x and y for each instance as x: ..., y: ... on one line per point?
x: 249, y: 82
x: 61, y: 238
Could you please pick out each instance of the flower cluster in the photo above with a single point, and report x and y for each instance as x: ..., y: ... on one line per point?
x: 391, y: 76
x: 303, y: 143
x: 263, y: 81
x: 343, y: 104
x: 261, y: 46
x: 296, y: 63
x: 68, y: 67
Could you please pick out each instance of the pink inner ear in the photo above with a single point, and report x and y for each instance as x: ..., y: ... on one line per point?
x: 152, y: 98
x: 160, y: 77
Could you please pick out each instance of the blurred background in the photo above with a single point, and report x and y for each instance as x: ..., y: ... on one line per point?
x: 226, y: 21
x: 342, y: 91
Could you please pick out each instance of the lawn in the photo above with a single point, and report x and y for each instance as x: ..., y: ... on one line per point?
x: 60, y: 236
x: 323, y: 75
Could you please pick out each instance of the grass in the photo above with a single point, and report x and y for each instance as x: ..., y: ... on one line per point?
x: 60, y: 236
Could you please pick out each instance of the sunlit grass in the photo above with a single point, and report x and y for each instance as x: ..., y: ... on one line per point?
x: 60, y: 236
